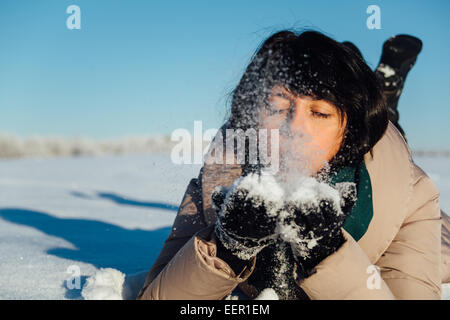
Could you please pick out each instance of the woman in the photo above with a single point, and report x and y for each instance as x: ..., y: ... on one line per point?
x: 332, y: 120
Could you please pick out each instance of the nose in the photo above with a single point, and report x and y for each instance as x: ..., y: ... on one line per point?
x: 297, y: 121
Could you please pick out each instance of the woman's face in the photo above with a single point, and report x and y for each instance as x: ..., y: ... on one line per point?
x: 310, y: 131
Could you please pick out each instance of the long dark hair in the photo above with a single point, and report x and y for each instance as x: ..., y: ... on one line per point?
x: 311, y: 63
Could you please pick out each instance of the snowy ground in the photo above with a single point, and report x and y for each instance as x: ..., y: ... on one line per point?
x: 93, y: 212
x: 97, y: 212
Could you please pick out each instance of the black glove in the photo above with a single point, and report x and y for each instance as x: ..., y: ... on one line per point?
x: 312, y: 219
x: 247, y: 214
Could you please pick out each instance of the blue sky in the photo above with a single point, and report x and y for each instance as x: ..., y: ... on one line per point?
x: 149, y: 67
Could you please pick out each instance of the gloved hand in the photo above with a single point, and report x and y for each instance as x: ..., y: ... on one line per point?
x: 311, y: 221
x: 247, y: 214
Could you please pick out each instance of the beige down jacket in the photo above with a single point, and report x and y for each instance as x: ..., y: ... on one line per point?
x: 408, y: 239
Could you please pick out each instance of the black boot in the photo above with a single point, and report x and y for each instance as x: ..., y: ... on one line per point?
x: 398, y: 57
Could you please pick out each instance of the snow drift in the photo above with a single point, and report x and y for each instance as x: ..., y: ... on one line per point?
x: 15, y: 147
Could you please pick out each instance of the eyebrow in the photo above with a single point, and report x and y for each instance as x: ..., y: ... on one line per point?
x: 282, y: 95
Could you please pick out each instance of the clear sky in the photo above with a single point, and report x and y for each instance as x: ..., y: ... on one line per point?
x: 149, y: 67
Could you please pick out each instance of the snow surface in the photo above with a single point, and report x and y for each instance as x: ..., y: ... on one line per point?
x: 90, y: 212
x: 40, y: 146
x: 267, y: 294
x: 105, y: 284
x: 96, y: 213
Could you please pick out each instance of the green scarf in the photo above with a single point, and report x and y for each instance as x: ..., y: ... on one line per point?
x: 361, y: 214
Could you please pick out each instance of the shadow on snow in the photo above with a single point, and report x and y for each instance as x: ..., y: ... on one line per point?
x: 99, y: 243
x: 127, y: 201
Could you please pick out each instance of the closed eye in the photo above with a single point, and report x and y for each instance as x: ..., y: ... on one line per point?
x: 277, y: 111
x: 320, y: 115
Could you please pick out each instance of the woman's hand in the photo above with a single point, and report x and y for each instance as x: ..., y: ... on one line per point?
x: 311, y: 221
x: 248, y: 214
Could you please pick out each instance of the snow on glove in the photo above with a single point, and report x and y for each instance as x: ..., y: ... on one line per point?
x: 311, y: 221
x: 247, y: 214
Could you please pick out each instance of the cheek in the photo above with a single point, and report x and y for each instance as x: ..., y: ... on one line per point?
x: 323, y: 145
x: 326, y: 142
x: 270, y: 122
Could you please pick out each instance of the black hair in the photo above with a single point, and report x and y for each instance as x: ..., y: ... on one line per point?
x: 313, y: 64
